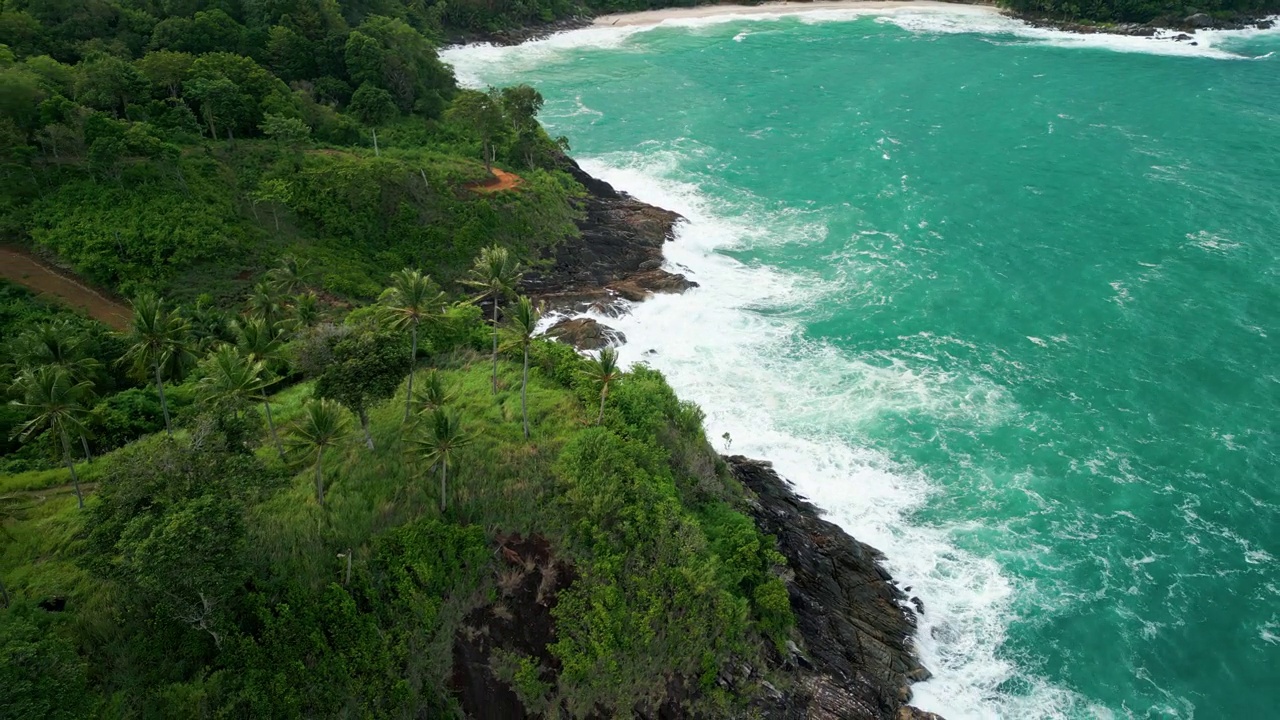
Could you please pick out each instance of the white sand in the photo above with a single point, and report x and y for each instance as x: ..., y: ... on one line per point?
x: 654, y: 17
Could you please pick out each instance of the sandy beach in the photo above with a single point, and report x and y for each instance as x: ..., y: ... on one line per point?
x: 654, y: 17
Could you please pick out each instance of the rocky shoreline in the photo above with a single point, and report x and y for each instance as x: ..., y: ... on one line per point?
x: 857, y: 658
x: 615, y: 260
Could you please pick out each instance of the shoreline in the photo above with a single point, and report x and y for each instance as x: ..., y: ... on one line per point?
x: 782, y: 8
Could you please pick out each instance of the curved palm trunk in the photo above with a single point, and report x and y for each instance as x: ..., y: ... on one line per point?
x: 524, y: 389
x: 444, y: 482
x: 266, y: 405
x: 168, y: 428
x: 604, y: 393
x: 364, y: 423
x: 320, y: 476
x: 495, y: 344
x: 75, y: 479
x: 84, y: 444
x: 413, y: 365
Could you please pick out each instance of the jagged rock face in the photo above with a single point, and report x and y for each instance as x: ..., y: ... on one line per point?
x: 618, y: 254
x: 859, y: 659
x: 585, y: 334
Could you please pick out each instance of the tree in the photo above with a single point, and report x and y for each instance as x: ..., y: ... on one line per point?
x: 232, y: 381
x: 290, y: 276
x: 321, y: 427
x: 260, y: 340
x: 523, y: 322
x: 372, y: 105
x: 441, y: 438
x: 109, y: 83
x: 221, y: 102
x: 367, y: 368
x: 275, y: 191
x: 166, y: 69
x: 412, y: 298
x: 482, y: 114
x: 287, y: 130
x: 264, y: 303
x: 160, y: 344
x: 305, y: 310
x: 53, y: 401
x: 495, y: 275
x: 58, y: 344
x: 433, y: 394
x: 188, y: 561
x: 603, y: 371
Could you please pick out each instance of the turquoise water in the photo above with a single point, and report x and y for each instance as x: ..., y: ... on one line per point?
x: 1005, y: 302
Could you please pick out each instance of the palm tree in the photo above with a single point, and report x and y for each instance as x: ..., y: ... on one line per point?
x: 433, y: 393
x: 495, y: 275
x: 264, y: 303
x: 306, y: 309
x: 603, y: 371
x: 58, y: 344
x: 232, y: 381
x: 442, y: 437
x: 411, y: 298
x: 323, y: 424
x: 261, y: 340
x: 291, y: 276
x: 523, y: 322
x: 54, y: 400
x: 160, y: 345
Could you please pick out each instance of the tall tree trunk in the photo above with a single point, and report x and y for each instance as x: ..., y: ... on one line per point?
x: 488, y: 163
x: 364, y: 423
x: 75, y: 479
x: 275, y: 214
x: 84, y: 444
x: 524, y: 388
x: 495, y: 344
x: 163, y: 404
x: 266, y: 405
x: 413, y: 365
x: 604, y: 392
x: 320, y: 476
x: 444, y: 480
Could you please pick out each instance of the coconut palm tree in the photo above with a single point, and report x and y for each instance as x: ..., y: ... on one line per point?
x: 261, y: 340
x: 323, y: 425
x: 160, y: 345
x: 54, y: 401
x: 305, y: 310
x: 495, y: 274
x: 411, y: 298
x: 291, y: 276
x: 433, y: 394
x: 442, y: 436
x: 522, y: 323
x: 264, y: 303
x: 57, y: 344
x: 603, y: 371
x: 233, y: 381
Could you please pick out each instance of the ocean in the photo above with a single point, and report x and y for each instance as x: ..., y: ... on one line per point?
x: 1005, y: 302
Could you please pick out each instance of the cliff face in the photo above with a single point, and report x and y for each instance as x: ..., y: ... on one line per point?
x: 858, y: 659
x: 617, y: 256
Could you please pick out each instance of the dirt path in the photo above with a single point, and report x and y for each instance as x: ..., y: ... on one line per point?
x: 20, y: 267
x: 501, y: 180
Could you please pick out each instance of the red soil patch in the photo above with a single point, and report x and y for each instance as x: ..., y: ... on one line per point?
x: 23, y: 269
x: 501, y: 180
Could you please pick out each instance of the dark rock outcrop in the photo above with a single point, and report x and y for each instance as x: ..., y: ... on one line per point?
x: 617, y: 256
x: 859, y: 658
x: 519, y: 622
x: 585, y: 334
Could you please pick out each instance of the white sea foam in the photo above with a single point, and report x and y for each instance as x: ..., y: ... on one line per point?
x: 478, y: 65
x: 732, y: 346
